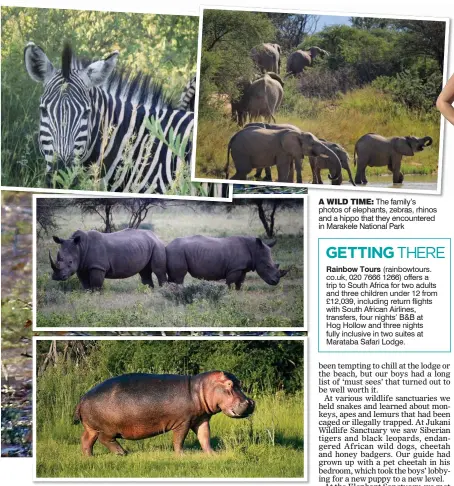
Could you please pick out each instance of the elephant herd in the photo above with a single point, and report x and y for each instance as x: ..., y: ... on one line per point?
x: 260, y: 146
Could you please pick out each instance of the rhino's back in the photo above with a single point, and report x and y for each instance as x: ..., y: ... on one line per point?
x: 124, y: 253
x: 208, y: 257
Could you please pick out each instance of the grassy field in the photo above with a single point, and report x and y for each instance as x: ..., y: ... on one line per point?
x: 128, y: 303
x: 343, y: 120
x: 269, y: 444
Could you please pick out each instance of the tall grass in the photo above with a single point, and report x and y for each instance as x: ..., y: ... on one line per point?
x: 268, y: 444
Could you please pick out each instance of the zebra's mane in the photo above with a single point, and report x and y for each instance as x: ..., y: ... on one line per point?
x: 140, y: 89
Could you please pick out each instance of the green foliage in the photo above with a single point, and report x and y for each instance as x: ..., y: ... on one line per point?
x: 164, y: 46
x: 228, y: 37
x: 411, y: 90
x: 262, y: 366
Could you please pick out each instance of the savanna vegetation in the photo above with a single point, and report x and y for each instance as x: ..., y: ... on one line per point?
x: 16, y: 324
x: 129, y: 303
x: 381, y: 76
x: 268, y: 444
x: 162, y: 46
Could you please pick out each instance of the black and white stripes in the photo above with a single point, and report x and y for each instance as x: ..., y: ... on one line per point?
x: 97, y: 115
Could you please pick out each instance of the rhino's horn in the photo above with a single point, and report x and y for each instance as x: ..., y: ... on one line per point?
x: 52, y: 264
x: 283, y: 273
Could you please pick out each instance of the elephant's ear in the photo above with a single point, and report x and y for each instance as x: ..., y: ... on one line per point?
x: 403, y: 146
x: 291, y: 142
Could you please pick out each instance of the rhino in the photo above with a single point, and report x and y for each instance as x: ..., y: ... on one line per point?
x: 226, y: 259
x: 95, y: 256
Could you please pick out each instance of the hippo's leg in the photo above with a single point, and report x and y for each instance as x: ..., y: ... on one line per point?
x: 237, y: 277
x: 145, y: 276
x: 96, y: 278
x: 179, y: 435
x: 111, y: 444
x: 88, y: 439
x: 203, y: 435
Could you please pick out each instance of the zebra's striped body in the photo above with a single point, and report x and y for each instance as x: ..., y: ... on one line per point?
x: 187, y: 98
x: 94, y: 115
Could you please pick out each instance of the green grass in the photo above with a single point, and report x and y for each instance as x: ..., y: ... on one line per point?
x: 343, y: 120
x: 269, y: 444
x: 128, y: 303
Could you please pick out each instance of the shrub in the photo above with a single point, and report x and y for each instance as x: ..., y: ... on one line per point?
x: 189, y: 294
x: 324, y: 83
x: 411, y: 90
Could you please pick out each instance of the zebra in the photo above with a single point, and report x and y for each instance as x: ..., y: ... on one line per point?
x: 187, y: 98
x: 98, y: 116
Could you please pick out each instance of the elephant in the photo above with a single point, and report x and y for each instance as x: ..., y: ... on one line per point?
x: 267, y: 57
x: 299, y: 60
x: 318, y: 163
x: 261, y: 97
x: 258, y: 172
x: 374, y: 150
x: 255, y: 147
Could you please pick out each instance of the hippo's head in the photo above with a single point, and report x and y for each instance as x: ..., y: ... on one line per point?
x: 227, y: 396
x: 264, y: 265
x: 68, y: 257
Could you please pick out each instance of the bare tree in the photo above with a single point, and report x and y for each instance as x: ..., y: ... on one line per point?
x: 292, y: 28
x: 46, y: 214
x: 103, y: 207
x: 138, y: 209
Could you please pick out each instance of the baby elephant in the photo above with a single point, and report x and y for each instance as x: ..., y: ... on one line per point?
x: 226, y: 259
x: 318, y: 163
x: 376, y: 151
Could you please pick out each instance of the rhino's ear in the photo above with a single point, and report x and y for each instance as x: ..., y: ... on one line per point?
x: 259, y: 242
x: 77, y: 240
x: 58, y: 240
x: 277, y: 265
x: 271, y: 243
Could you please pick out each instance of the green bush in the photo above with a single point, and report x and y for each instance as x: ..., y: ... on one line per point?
x: 410, y: 89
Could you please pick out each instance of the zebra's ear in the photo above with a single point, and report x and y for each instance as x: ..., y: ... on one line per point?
x: 99, y: 71
x: 38, y: 66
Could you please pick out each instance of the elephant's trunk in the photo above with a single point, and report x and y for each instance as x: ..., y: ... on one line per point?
x: 335, y: 169
x: 52, y: 264
x: 427, y: 141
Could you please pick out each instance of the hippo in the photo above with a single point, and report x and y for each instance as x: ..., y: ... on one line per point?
x: 226, y: 259
x: 139, y: 405
x: 95, y: 256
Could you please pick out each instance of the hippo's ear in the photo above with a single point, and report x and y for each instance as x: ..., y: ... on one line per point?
x: 77, y: 240
x: 58, y: 240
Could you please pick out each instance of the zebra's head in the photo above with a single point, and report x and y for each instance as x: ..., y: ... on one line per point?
x: 66, y: 104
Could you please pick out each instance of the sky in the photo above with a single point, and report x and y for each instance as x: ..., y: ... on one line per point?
x: 326, y: 20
